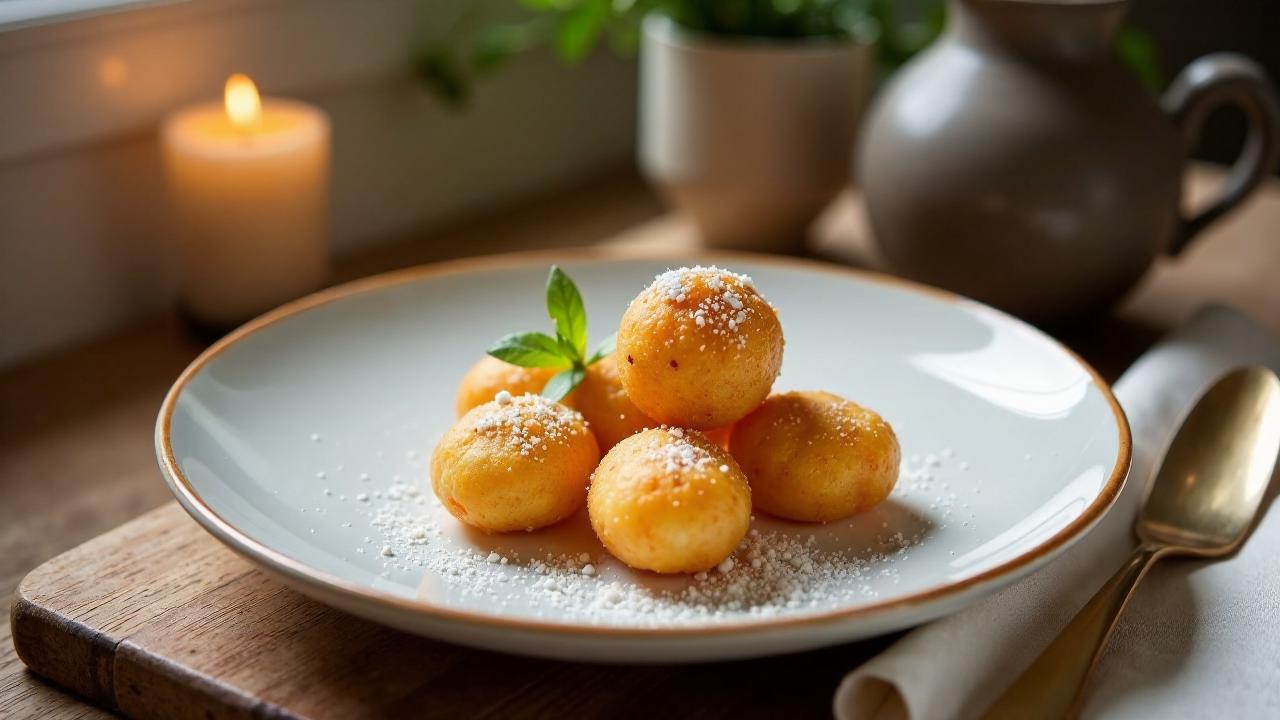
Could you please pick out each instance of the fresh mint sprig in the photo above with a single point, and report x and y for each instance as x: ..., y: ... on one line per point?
x: 566, y: 351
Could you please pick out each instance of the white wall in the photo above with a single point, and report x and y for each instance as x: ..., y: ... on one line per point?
x: 85, y: 244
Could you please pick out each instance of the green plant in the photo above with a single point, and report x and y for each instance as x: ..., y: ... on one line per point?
x: 469, y: 48
x: 464, y: 52
x: 567, y: 351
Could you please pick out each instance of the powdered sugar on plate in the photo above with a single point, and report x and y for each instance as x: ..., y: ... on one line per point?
x: 563, y: 573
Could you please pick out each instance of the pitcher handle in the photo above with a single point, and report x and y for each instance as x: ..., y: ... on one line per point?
x: 1206, y: 84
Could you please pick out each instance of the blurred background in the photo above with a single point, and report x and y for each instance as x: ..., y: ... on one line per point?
x: 439, y: 111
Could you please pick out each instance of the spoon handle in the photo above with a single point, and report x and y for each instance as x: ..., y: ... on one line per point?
x: 1051, y: 687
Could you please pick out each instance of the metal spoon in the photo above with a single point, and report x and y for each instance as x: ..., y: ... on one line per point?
x: 1201, y: 503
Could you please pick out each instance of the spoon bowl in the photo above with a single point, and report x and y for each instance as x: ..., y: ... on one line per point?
x: 1215, y: 474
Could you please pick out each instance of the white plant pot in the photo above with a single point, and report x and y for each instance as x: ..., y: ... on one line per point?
x: 750, y: 136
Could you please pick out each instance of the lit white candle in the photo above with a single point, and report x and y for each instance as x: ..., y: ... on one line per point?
x: 249, y: 179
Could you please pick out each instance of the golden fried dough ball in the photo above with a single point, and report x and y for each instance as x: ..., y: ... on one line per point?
x: 670, y: 501
x: 515, y: 463
x: 815, y: 457
x: 719, y: 436
x: 602, y: 401
x: 490, y: 375
x: 699, y: 348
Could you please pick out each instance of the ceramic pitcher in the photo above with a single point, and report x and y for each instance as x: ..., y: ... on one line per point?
x: 1019, y: 162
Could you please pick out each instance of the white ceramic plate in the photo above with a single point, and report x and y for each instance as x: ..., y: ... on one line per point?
x: 302, y: 442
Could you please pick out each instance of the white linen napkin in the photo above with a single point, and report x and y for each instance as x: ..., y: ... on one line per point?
x: 1199, y: 639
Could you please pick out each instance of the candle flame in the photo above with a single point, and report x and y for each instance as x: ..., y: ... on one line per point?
x: 244, y: 107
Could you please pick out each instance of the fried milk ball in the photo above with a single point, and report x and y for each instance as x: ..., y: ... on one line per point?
x: 816, y: 457
x: 606, y: 406
x: 719, y: 436
x: 515, y: 463
x: 699, y: 348
x: 490, y: 375
x: 670, y: 501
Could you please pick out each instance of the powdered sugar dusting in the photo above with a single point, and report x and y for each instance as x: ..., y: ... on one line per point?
x: 676, y: 452
x: 719, y: 307
x: 563, y: 574
x: 773, y: 571
x: 529, y: 423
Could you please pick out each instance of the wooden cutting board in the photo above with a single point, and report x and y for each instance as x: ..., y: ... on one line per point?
x: 156, y: 619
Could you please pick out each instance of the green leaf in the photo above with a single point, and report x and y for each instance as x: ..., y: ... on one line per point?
x: 580, y: 29
x: 441, y: 74
x: 603, y: 350
x: 494, y: 46
x: 564, y: 305
x: 563, y: 383
x: 532, y: 349
x: 1138, y: 50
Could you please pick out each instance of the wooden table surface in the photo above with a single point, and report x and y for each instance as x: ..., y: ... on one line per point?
x: 76, y: 454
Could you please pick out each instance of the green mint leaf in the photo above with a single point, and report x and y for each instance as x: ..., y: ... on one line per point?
x: 532, y: 349
x: 564, y: 305
x: 568, y: 349
x: 563, y: 383
x: 603, y: 350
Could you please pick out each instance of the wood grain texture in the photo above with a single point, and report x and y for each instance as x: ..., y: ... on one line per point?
x: 68, y: 617
x: 76, y: 459
x: 157, y: 620
x: 76, y: 454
